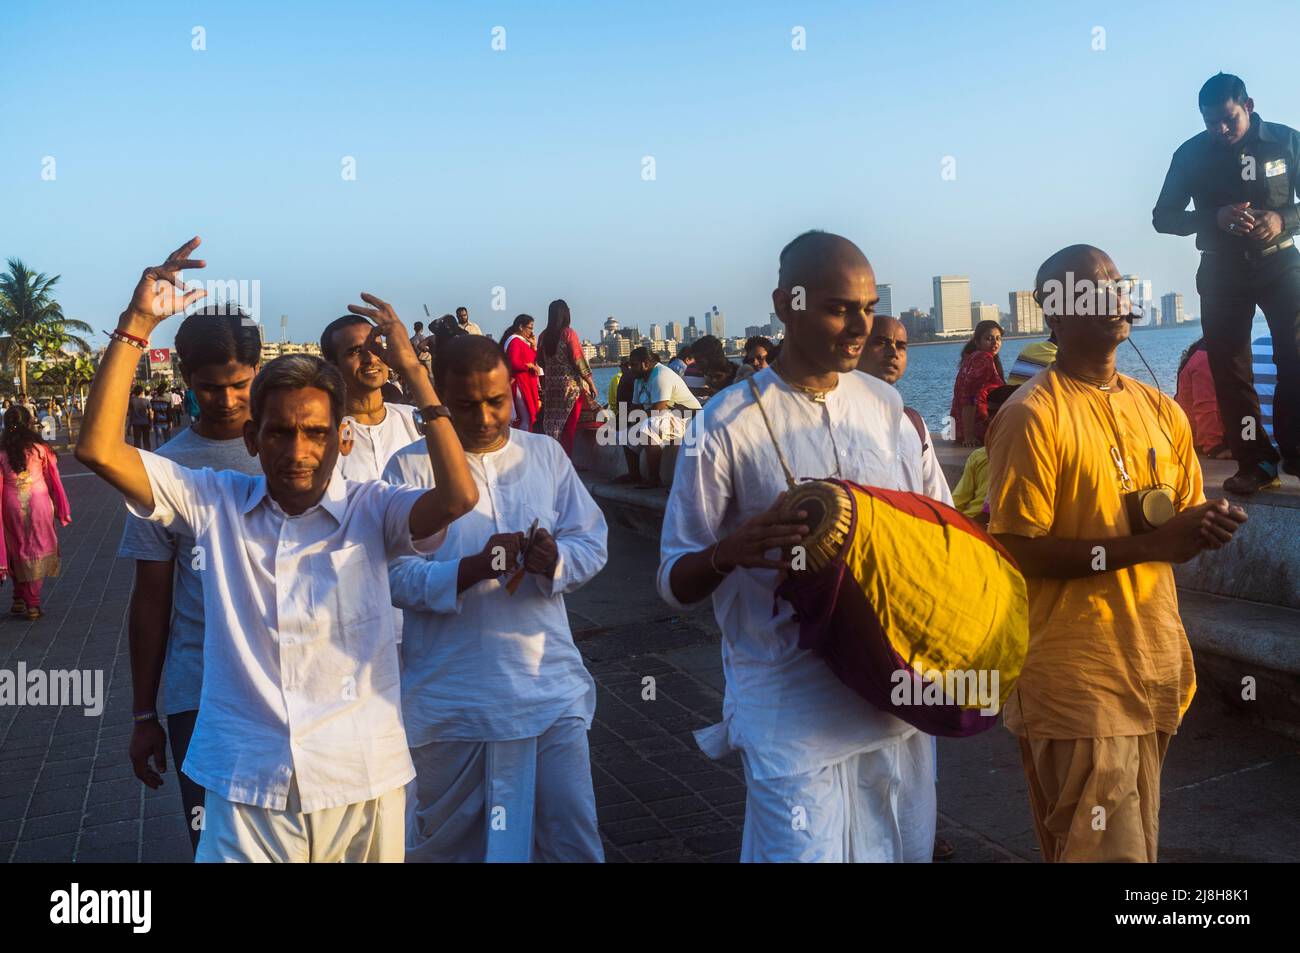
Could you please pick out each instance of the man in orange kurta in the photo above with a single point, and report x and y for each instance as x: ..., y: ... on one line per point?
x: 1108, y: 675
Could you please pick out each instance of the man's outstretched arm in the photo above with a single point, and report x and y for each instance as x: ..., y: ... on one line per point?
x: 158, y: 295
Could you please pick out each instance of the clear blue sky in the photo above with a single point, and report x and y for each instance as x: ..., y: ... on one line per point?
x: 522, y: 168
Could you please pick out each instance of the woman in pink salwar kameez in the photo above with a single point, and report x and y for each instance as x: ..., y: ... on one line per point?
x: 32, y: 499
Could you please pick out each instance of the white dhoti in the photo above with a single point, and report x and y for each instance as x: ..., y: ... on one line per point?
x: 873, y: 807
x: 365, y: 832
x: 505, y: 801
x: 657, y: 430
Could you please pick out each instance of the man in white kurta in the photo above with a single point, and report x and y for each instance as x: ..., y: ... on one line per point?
x: 299, y: 740
x: 830, y: 777
x: 495, y: 696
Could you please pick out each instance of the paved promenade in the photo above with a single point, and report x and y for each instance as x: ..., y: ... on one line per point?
x: 67, y: 792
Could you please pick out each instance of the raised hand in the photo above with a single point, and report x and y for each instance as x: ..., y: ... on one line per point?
x: 395, y: 349
x: 160, y: 292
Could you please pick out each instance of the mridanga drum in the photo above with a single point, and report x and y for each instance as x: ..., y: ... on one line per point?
x: 911, y: 604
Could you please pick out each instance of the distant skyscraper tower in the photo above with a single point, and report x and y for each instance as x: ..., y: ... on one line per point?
x: 611, y: 326
x: 1143, y: 300
x: 886, y: 304
x: 1026, y: 315
x: 951, y: 304
x: 656, y: 332
x: 714, y: 324
x: 1171, y: 308
x: 674, y: 330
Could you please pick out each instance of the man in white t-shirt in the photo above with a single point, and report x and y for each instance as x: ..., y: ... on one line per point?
x: 377, y: 428
x: 666, y: 403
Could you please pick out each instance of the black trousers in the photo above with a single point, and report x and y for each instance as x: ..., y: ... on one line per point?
x: 180, y: 729
x: 1230, y: 289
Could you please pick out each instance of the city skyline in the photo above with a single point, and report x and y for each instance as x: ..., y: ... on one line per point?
x: 600, y: 151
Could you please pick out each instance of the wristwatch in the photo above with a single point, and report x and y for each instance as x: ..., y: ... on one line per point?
x: 429, y: 414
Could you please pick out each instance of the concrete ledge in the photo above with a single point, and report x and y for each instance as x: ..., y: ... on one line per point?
x: 1233, y: 640
x: 1253, y: 633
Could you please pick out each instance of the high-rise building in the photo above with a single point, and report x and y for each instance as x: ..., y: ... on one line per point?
x: 951, y: 304
x: 611, y: 325
x: 1171, y: 306
x: 1026, y: 316
x: 886, y: 303
x: 1144, y: 301
x: 617, y: 348
x: 714, y: 324
x: 979, y: 311
x: 674, y: 330
x: 917, y: 324
x: 656, y: 332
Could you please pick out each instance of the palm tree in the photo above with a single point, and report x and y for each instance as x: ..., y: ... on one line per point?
x: 32, y: 321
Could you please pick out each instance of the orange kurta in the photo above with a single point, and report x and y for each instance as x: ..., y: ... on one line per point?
x: 1108, y: 655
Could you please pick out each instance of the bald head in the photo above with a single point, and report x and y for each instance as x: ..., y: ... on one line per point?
x: 826, y: 297
x: 1066, y: 268
x: 1083, y: 302
x: 887, y: 325
x: 885, y: 354
x: 807, y: 260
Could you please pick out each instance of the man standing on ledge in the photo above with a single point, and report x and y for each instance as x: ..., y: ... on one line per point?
x: 829, y: 776
x: 299, y: 742
x: 1240, y: 174
x: 1108, y: 675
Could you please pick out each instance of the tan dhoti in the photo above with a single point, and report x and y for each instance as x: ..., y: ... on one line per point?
x: 1096, y: 799
x: 367, y: 832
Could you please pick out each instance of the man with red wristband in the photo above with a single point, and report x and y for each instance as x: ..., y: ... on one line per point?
x: 299, y: 742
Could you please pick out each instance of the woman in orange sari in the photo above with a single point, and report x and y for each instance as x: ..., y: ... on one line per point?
x: 32, y: 499
x: 567, y: 379
x: 521, y: 358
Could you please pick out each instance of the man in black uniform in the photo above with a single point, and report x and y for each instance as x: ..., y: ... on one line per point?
x: 1241, y: 177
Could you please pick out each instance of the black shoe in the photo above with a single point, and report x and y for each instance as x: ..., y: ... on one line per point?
x: 1252, y: 477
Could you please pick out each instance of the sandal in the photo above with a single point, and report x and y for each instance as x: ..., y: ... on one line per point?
x: 18, y: 608
x: 34, y: 613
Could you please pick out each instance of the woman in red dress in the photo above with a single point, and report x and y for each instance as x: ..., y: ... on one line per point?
x: 980, y: 372
x: 521, y: 357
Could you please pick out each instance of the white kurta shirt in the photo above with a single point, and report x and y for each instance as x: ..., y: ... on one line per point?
x: 784, y: 707
x: 300, y: 666
x: 373, y: 445
x: 484, y: 665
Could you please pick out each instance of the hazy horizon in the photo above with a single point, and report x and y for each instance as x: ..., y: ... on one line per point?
x: 522, y: 168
